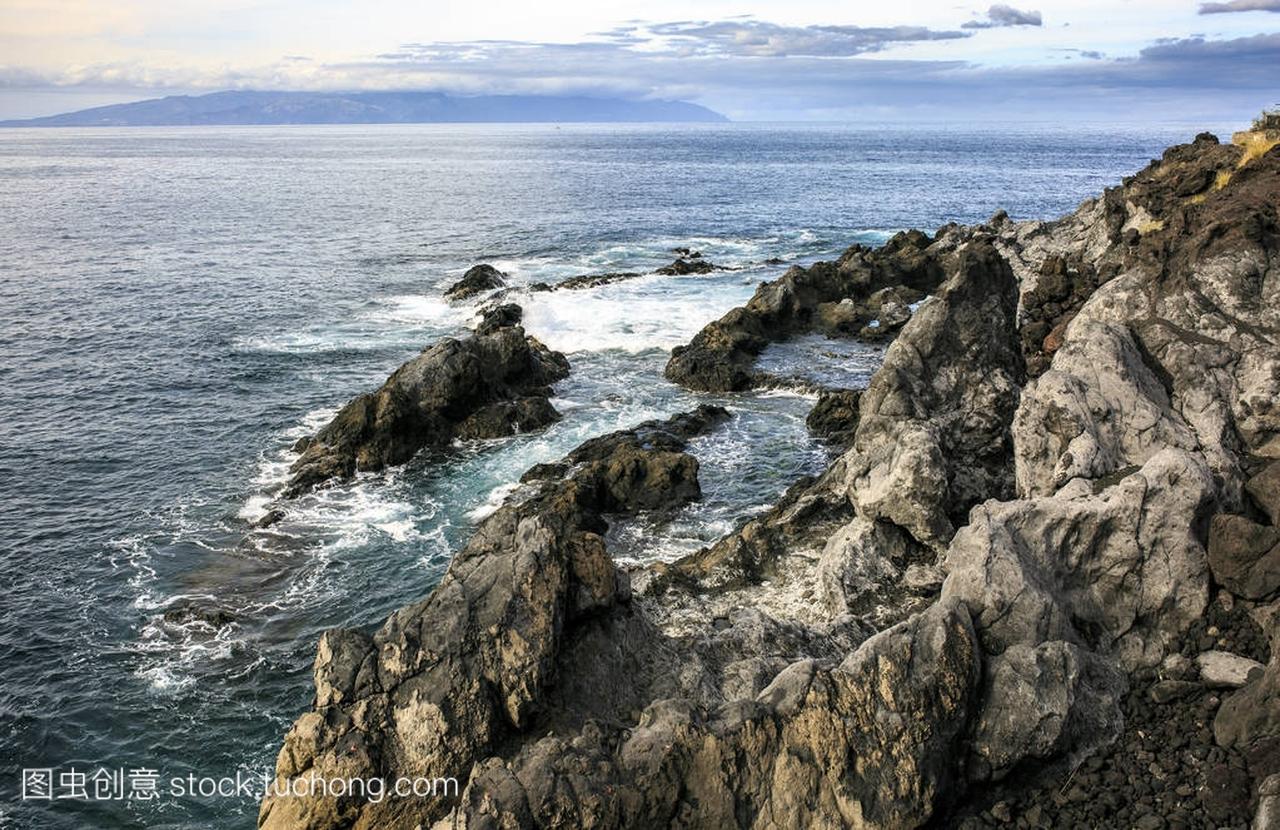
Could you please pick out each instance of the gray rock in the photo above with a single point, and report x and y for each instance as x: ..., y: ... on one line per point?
x: 1224, y: 670
x: 933, y: 432
x: 1045, y: 702
x: 1122, y: 570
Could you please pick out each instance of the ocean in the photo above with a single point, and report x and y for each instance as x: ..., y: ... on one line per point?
x: 177, y: 306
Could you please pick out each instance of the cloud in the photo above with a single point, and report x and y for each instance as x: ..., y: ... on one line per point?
x: 756, y: 38
x: 1240, y: 6
x: 1001, y: 15
x: 752, y: 69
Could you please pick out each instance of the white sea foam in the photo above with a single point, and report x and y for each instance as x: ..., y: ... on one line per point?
x: 419, y: 309
x: 497, y: 496
x: 652, y: 312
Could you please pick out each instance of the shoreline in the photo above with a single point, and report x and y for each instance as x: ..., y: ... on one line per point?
x: 987, y: 440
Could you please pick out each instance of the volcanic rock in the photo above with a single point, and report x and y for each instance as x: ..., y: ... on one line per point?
x: 835, y: 416
x: 806, y: 669
x: 1245, y: 556
x: 477, y: 280
x: 484, y: 386
x: 721, y: 356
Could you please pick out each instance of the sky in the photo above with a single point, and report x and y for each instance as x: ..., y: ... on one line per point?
x: 751, y: 60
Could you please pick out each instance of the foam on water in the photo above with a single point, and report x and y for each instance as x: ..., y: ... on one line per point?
x: 134, y: 414
x: 649, y: 312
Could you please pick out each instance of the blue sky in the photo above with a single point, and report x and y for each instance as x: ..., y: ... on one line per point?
x: 799, y: 60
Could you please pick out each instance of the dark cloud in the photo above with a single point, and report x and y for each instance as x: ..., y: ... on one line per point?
x: 1240, y: 6
x: 1001, y: 15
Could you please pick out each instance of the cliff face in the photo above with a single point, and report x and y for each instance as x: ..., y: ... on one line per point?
x: 1061, y: 493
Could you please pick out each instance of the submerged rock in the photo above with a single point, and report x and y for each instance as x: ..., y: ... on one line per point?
x: 593, y: 280
x: 487, y: 385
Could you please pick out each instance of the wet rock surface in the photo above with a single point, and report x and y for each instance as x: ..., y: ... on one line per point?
x: 478, y: 279
x: 1033, y: 591
x: 494, y: 383
x: 834, y: 417
x: 721, y: 357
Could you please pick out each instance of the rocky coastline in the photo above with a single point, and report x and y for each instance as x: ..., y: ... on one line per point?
x: 1038, y: 586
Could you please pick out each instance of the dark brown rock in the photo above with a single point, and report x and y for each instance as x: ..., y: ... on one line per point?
x: 499, y: 317
x: 721, y: 356
x: 1265, y: 490
x: 835, y: 416
x: 477, y: 280
x: 485, y: 386
x: 1244, y: 555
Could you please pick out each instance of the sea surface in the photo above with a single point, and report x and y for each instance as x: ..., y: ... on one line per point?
x: 177, y: 306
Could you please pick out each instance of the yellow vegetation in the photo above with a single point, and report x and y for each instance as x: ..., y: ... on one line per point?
x: 1256, y: 145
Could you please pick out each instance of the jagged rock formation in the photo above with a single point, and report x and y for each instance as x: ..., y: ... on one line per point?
x: 494, y: 383
x: 1069, y: 450
x: 836, y: 298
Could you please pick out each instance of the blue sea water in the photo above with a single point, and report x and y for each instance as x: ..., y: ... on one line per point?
x: 177, y: 306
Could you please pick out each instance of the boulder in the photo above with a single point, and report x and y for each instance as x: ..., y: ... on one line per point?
x: 1049, y: 702
x: 484, y: 386
x: 1122, y: 570
x: 1244, y: 556
x: 1265, y: 490
x: 499, y: 316
x: 477, y: 280
x: 1224, y: 670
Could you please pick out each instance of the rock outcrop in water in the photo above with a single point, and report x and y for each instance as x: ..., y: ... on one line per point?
x: 478, y: 279
x: 834, y: 298
x: 493, y: 383
x: 1024, y: 595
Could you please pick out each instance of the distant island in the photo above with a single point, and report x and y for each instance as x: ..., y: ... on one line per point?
x: 251, y: 107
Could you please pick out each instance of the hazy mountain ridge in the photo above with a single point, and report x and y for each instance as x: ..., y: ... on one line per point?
x: 252, y: 107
